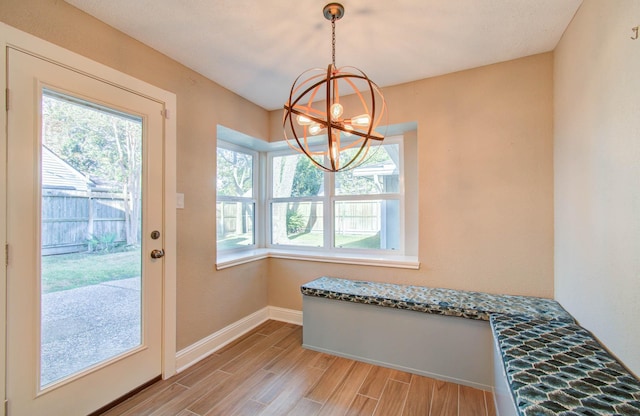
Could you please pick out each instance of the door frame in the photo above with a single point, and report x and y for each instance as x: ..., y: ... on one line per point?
x: 11, y: 37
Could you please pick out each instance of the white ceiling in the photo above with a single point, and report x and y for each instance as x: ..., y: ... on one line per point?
x: 257, y: 48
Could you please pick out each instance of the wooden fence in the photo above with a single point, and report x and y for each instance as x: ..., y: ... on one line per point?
x: 233, y: 219
x: 357, y: 217
x: 353, y: 217
x: 71, y: 218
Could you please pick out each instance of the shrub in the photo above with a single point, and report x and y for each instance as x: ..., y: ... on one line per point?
x: 103, y: 243
x: 295, y: 222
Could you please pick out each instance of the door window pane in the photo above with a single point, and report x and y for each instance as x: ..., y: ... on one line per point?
x: 91, y: 264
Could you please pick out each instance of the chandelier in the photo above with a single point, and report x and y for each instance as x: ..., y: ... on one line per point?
x: 315, y: 111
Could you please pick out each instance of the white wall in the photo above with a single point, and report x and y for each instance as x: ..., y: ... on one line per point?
x: 597, y: 174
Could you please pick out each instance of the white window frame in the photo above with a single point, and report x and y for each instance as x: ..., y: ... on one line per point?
x: 257, y: 223
x: 329, y: 200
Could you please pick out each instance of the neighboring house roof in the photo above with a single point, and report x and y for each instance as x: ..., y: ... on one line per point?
x: 380, y: 169
x: 58, y: 174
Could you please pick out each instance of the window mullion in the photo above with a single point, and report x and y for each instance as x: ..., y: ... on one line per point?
x: 366, y: 197
x: 299, y: 199
x: 235, y: 199
x: 329, y: 190
x: 259, y: 179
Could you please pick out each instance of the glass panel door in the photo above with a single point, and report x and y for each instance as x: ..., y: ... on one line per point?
x: 85, y: 217
x: 90, y: 235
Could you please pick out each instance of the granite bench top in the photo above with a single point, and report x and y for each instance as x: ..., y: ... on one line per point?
x: 556, y: 367
x: 472, y: 305
x: 553, y: 365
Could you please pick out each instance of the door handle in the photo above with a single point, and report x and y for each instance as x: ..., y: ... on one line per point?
x: 157, y: 254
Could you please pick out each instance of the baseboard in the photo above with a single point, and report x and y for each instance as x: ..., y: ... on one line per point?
x: 190, y: 355
x: 285, y: 315
x: 401, y: 368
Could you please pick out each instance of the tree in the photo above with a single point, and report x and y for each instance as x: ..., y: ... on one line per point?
x: 127, y: 138
x: 235, y: 170
x: 235, y: 178
x: 100, y: 143
x: 307, y: 181
x: 284, y: 168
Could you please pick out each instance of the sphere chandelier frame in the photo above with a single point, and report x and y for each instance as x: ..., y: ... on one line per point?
x: 350, y: 130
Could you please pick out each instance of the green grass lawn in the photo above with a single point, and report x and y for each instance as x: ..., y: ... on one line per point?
x: 312, y: 239
x: 315, y: 239
x: 358, y: 241
x: 68, y: 271
x: 235, y: 241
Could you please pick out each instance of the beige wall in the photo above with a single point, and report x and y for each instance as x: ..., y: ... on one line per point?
x: 206, y: 300
x: 597, y: 174
x: 485, y: 184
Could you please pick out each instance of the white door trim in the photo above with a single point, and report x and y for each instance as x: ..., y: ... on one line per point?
x: 3, y: 218
x: 15, y: 38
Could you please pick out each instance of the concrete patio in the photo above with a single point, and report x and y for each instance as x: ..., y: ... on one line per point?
x: 87, y: 325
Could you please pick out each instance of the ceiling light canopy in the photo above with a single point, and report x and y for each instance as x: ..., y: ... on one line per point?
x: 341, y: 103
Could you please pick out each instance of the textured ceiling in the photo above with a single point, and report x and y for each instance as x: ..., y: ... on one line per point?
x: 257, y: 48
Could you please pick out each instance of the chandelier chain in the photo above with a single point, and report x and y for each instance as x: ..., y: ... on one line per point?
x: 333, y: 41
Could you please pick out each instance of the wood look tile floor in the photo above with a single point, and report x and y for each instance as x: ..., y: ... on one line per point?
x: 267, y: 372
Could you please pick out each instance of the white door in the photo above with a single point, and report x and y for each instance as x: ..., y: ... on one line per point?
x: 85, y: 212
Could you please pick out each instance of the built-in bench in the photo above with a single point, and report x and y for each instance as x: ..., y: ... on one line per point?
x: 449, y: 302
x: 413, y: 332
x: 554, y: 367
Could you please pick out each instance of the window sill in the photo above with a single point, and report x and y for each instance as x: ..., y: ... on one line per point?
x: 234, y: 259
x: 237, y: 258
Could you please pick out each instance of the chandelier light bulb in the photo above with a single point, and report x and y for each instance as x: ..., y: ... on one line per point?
x: 335, y: 154
x: 363, y: 120
x: 314, y: 129
x: 303, y: 120
x: 336, y: 111
x: 348, y: 128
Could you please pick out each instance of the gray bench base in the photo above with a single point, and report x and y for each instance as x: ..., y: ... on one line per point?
x: 502, y: 395
x: 448, y: 348
x: 544, y: 363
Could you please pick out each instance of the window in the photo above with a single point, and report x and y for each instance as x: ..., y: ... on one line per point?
x: 273, y: 202
x: 236, y: 197
x: 297, y: 207
x: 358, y: 210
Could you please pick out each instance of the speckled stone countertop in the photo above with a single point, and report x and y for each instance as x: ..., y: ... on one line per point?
x: 472, y: 305
x: 558, y: 368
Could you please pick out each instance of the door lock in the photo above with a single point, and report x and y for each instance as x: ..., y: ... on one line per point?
x: 157, y: 254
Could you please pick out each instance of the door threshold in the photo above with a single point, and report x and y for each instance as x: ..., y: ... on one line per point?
x: 124, y: 398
